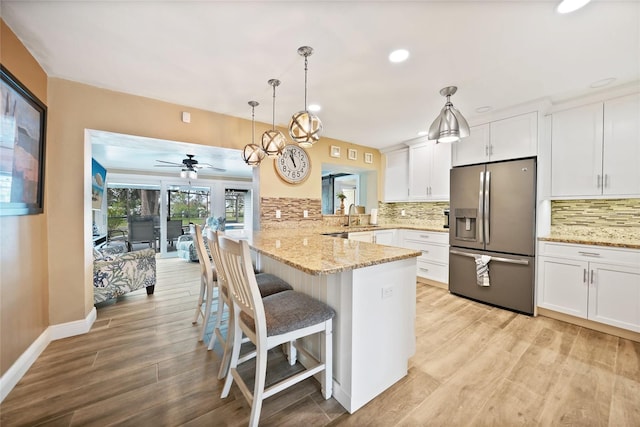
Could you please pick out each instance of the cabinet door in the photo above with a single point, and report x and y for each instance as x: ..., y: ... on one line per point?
x: 472, y: 149
x: 384, y: 237
x: 563, y: 285
x: 514, y: 138
x: 396, y: 178
x: 362, y: 236
x: 440, y: 167
x: 419, y: 171
x: 621, y: 158
x: 614, y: 295
x: 576, y: 151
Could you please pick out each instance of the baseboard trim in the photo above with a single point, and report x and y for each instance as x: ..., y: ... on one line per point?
x: 77, y: 327
x: 590, y: 324
x: 55, y: 332
x: 433, y: 283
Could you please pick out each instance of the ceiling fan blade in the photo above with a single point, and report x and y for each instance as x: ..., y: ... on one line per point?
x: 169, y: 166
x: 169, y: 163
x: 209, y: 166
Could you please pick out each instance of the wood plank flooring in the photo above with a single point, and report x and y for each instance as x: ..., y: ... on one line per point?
x: 142, y: 365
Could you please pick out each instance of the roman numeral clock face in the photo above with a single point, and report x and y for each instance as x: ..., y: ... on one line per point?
x: 293, y: 165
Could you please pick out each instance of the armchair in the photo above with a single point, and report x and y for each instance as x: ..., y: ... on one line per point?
x: 116, y: 274
x: 186, y: 247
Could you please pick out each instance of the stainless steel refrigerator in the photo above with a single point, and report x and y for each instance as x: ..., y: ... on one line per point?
x: 493, y: 213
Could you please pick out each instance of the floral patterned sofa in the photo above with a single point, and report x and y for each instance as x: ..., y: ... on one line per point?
x: 115, y: 274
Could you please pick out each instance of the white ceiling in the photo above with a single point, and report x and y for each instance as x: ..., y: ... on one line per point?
x: 218, y: 55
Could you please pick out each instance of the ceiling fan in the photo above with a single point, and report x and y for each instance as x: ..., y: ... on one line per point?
x: 188, y: 165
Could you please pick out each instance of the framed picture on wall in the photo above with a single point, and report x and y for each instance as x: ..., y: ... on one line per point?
x: 352, y: 154
x: 22, y: 145
x: 335, y: 151
x: 368, y: 157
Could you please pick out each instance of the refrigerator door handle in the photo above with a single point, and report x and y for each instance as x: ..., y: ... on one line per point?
x: 493, y: 258
x: 479, y: 220
x: 487, y: 207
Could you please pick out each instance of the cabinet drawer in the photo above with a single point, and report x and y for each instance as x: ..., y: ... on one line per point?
x: 590, y: 253
x: 426, y: 236
x: 433, y: 271
x: 430, y: 252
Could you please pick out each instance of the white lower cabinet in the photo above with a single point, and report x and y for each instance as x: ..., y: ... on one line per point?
x: 361, y: 236
x: 433, y: 264
x: 385, y: 237
x: 592, y: 282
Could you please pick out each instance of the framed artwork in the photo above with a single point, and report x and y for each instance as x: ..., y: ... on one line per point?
x: 22, y: 145
x: 98, y: 184
x: 352, y: 154
x: 368, y: 157
x: 335, y: 151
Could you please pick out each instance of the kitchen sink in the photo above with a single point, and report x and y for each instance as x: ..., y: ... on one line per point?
x: 343, y: 235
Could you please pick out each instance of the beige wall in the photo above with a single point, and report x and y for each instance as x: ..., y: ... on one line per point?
x: 54, y: 289
x: 23, y: 239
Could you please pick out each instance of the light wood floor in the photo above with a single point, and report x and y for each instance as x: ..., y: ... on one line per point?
x: 141, y: 365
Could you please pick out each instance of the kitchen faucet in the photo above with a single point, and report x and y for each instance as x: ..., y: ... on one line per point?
x: 352, y: 206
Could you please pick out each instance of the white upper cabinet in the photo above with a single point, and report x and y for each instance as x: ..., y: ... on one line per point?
x: 396, y: 176
x: 576, y: 151
x: 511, y: 138
x: 595, y: 149
x: 472, y: 149
x: 429, y: 165
x: 621, y: 158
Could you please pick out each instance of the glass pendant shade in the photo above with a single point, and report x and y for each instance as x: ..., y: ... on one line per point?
x: 305, y: 128
x: 188, y: 173
x: 253, y: 154
x: 450, y: 125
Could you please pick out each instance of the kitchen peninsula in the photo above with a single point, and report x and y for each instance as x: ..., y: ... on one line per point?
x: 373, y: 290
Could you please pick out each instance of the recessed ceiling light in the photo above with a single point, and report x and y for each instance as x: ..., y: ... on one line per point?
x: 423, y: 133
x: 602, y: 83
x: 568, y: 6
x: 399, y: 55
x: 314, y: 107
x: 484, y: 109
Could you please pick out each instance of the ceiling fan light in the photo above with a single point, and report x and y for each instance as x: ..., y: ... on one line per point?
x: 305, y: 128
x: 253, y: 154
x: 568, y: 6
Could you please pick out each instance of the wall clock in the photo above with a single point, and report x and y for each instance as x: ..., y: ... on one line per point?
x: 293, y: 165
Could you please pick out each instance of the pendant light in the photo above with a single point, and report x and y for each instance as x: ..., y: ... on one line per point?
x: 449, y: 126
x: 253, y: 153
x: 305, y: 127
x: 273, y: 141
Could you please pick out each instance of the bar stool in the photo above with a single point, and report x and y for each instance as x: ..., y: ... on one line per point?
x: 268, y: 322
x: 208, y: 281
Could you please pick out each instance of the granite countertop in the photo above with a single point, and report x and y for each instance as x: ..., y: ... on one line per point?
x: 395, y: 226
x: 315, y: 254
x: 620, y: 237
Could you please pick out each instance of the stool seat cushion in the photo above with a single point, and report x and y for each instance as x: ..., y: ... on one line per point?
x: 291, y: 310
x: 270, y: 284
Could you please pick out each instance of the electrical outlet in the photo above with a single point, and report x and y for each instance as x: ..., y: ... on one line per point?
x: 403, y: 212
x: 387, y: 292
x: 305, y: 213
x: 278, y: 214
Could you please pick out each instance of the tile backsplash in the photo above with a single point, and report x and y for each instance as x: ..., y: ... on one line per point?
x: 596, y: 213
x: 291, y: 212
x: 415, y: 213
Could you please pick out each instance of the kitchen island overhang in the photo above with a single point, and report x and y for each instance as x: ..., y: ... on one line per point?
x: 373, y: 290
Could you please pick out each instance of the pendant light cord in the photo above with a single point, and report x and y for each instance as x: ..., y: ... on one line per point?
x: 273, y: 119
x: 253, y: 125
x: 305, y: 82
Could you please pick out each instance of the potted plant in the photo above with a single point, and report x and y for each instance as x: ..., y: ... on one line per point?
x: 341, y: 196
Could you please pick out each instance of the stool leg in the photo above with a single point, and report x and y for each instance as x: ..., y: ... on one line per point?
x: 207, y: 309
x: 235, y: 354
x: 200, y: 301
x: 327, y: 356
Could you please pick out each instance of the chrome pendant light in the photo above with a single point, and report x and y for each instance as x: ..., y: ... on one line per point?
x: 449, y: 126
x: 305, y: 127
x: 273, y: 141
x: 253, y: 153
